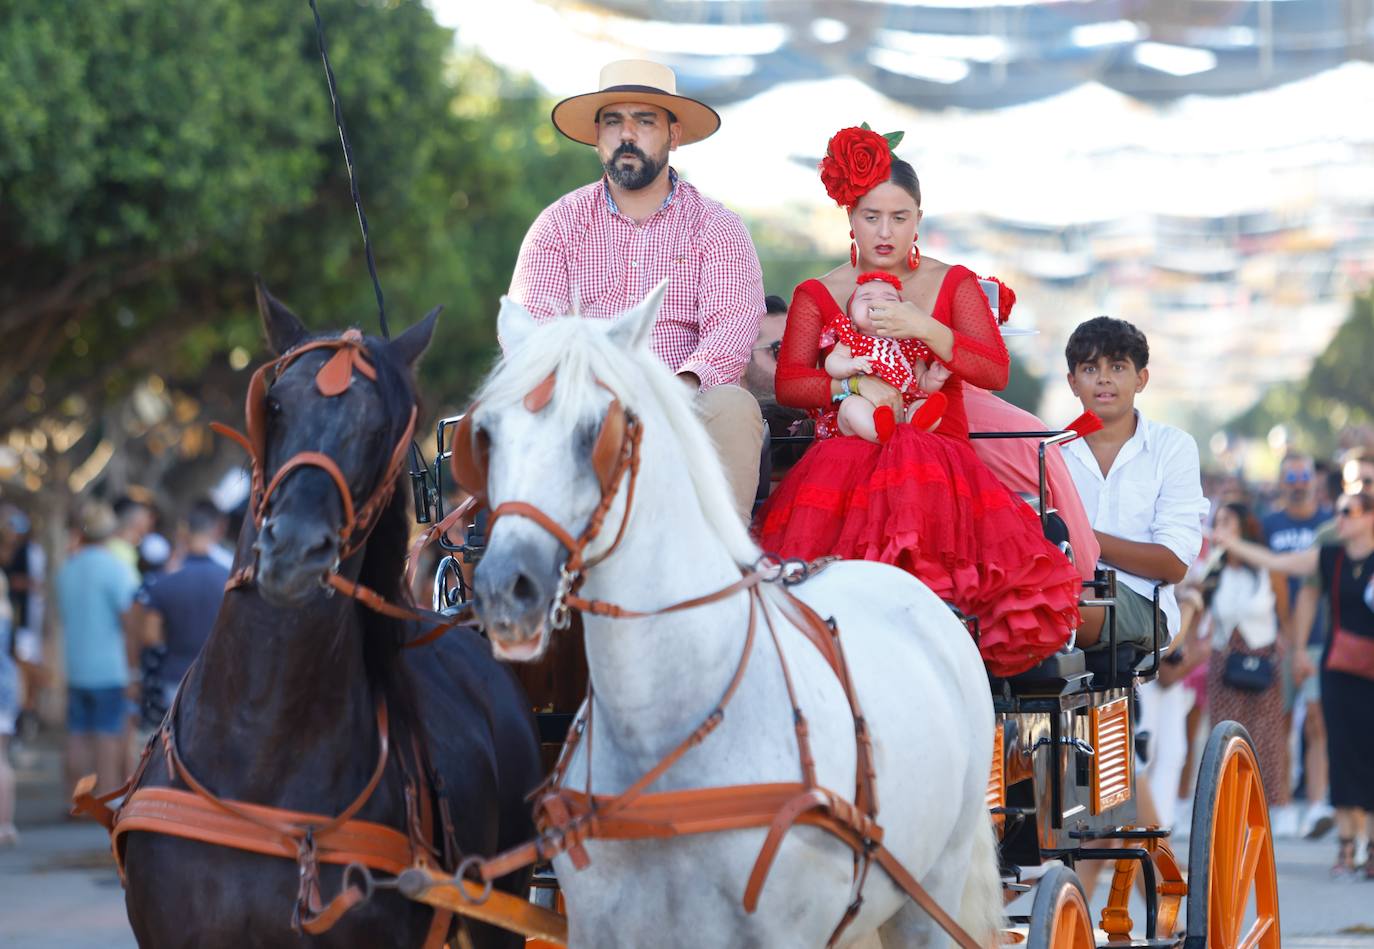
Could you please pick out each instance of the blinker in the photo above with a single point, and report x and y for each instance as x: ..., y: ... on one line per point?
x: 336, y: 375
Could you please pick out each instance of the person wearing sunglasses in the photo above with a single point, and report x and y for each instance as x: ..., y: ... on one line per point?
x: 1347, y: 667
x: 1293, y: 526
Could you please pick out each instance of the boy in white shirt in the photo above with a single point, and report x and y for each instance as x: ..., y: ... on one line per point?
x: 1139, y: 481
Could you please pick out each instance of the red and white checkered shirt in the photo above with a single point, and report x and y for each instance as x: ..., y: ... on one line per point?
x: 579, y: 248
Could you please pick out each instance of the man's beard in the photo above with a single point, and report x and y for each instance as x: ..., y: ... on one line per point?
x: 633, y: 179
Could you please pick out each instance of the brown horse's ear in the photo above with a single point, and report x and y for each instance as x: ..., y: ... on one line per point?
x: 411, y: 344
x: 284, y: 329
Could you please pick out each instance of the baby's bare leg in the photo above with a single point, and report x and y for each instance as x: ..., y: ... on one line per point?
x: 856, y: 418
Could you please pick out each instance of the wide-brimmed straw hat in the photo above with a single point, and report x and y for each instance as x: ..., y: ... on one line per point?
x: 634, y: 80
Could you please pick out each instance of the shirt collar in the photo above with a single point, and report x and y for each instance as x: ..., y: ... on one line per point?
x: 1142, y: 431
x: 1138, y: 443
x: 672, y: 192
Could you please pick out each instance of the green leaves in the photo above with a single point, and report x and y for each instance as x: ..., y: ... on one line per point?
x: 156, y: 153
x: 893, y: 138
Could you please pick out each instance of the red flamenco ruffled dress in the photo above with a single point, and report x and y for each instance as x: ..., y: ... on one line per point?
x: 923, y: 501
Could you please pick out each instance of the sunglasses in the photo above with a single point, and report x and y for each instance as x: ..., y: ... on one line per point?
x: 773, y: 348
x: 1297, y: 477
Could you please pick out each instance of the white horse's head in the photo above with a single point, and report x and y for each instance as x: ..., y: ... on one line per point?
x: 537, y: 444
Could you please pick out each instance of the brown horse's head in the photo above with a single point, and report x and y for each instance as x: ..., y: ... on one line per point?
x: 331, y: 426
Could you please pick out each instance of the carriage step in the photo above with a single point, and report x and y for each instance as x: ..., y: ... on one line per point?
x: 1135, y: 833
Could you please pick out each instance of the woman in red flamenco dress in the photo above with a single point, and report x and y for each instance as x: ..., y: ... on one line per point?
x: 922, y: 501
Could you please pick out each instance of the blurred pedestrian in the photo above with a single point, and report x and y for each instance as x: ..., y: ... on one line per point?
x: 1347, y: 688
x: 1293, y: 526
x: 1244, y: 682
x: 23, y: 564
x: 94, y: 588
x: 134, y: 522
x: 9, y: 714
x: 177, y: 610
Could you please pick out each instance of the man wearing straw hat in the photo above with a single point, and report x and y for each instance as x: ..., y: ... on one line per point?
x: 600, y: 249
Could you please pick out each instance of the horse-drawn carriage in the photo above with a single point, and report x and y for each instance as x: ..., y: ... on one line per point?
x: 591, y: 431
x: 1060, y: 787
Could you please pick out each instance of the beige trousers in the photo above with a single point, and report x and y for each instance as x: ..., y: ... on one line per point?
x: 732, y: 419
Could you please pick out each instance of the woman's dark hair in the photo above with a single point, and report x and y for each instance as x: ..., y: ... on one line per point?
x: 1250, y: 529
x: 1364, y: 497
x: 1105, y: 336
x: 774, y: 304
x: 904, y: 177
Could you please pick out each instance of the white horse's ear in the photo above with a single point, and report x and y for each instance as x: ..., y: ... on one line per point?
x: 513, y: 325
x: 635, y: 327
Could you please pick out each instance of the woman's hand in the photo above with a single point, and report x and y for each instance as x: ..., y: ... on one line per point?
x: 1225, y: 534
x: 879, y: 393
x: 900, y: 320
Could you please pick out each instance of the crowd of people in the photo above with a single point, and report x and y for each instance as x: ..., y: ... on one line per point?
x: 133, y: 608
x: 1278, y: 634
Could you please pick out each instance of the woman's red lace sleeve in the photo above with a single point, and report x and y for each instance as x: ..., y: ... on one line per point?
x: 798, y: 382
x: 980, y: 356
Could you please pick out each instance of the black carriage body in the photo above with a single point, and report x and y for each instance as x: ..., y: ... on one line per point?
x: 1053, y: 768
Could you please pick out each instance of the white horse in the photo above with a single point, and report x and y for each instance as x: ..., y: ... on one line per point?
x: 917, y: 673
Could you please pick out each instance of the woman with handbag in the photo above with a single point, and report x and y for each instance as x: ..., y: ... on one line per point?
x: 1347, y: 668
x: 1243, y: 681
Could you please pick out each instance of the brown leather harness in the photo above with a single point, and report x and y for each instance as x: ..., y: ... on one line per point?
x: 308, y: 839
x: 567, y: 818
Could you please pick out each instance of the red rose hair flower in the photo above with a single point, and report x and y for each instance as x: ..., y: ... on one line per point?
x: 856, y: 160
x: 885, y: 277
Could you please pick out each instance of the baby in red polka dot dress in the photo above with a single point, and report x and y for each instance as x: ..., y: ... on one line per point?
x: 906, y: 365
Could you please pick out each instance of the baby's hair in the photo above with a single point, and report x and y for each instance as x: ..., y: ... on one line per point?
x: 872, y: 276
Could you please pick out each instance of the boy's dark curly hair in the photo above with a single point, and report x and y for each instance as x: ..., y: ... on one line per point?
x: 1105, y: 336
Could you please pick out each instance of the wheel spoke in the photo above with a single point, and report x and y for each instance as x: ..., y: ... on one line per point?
x: 1256, y: 933
x: 1249, y: 844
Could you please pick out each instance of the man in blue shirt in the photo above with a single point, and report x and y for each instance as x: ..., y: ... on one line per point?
x: 1294, y: 527
x: 178, y: 609
x: 94, y: 588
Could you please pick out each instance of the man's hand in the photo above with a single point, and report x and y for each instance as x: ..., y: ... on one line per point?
x: 691, y: 381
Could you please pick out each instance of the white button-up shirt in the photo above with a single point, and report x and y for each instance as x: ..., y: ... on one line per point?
x: 1152, y: 495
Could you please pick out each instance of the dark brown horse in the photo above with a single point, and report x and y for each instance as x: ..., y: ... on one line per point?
x: 279, y: 708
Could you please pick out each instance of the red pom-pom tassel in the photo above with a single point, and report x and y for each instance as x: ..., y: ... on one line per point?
x: 1084, y: 425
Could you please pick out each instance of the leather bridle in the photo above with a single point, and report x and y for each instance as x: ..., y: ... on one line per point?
x: 350, y: 355
x: 614, y: 460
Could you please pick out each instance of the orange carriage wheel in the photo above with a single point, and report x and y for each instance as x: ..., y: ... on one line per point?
x: 1233, y: 894
x: 1059, y: 915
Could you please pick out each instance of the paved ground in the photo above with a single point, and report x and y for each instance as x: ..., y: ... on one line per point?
x: 59, y: 890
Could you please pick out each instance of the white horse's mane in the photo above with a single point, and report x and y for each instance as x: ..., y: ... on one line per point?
x: 580, y: 352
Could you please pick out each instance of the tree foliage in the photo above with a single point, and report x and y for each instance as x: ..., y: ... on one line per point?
x: 154, y: 154
x: 1338, y: 390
